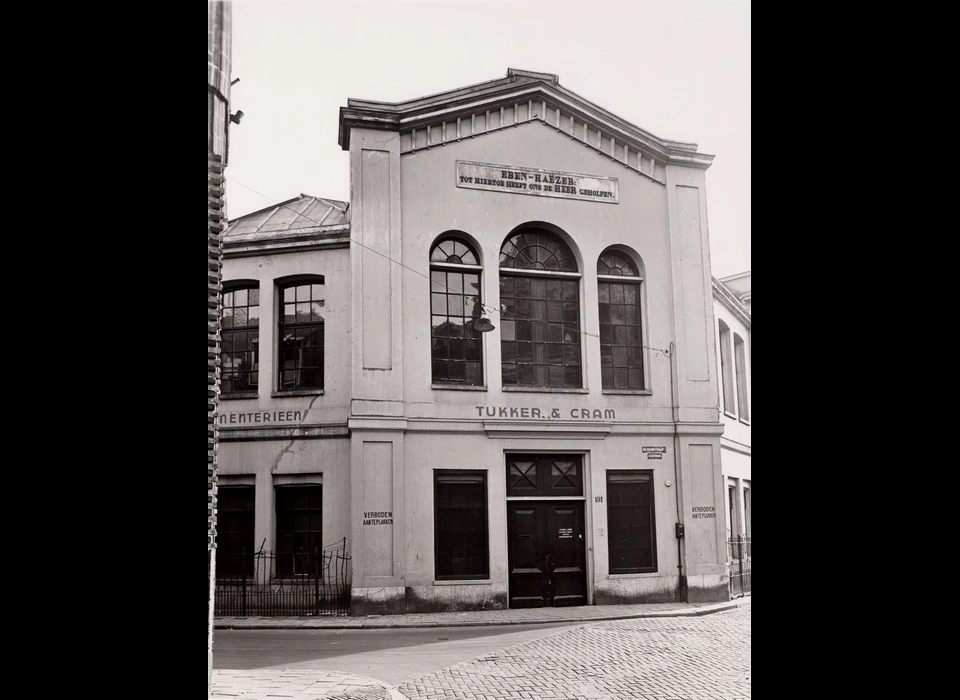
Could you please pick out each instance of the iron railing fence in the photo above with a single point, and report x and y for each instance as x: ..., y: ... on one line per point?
x: 739, y: 555
x: 266, y: 584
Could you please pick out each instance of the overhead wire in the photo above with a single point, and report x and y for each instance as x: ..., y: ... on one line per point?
x: 486, y: 307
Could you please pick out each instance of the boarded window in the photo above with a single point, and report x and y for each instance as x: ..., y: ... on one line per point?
x: 460, y: 509
x: 235, y: 531
x: 631, y: 521
x: 299, y: 529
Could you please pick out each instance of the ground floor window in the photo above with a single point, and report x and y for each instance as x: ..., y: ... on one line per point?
x: 299, y: 528
x: 460, y: 528
x: 234, y: 531
x: 631, y: 521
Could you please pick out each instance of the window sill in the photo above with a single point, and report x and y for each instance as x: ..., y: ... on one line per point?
x: 545, y: 390
x: 730, y: 415
x: 236, y: 395
x: 745, y: 422
x: 460, y: 387
x: 644, y: 574
x: 296, y: 392
x: 635, y: 392
x: 464, y: 582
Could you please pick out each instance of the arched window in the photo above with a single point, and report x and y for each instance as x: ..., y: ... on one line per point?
x: 456, y: 345
x: 240, y: 338
x: 300, y: 331
x: 540, y: 319
x: 621, y: 336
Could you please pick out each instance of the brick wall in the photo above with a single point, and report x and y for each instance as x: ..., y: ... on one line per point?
x: 215, y: 225
x: 218, y: 110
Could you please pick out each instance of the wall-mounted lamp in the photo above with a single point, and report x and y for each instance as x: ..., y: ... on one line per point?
x: 483, y: 325
x: 236, y: 117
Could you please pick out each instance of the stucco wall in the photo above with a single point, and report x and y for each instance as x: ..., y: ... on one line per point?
x: 443, y: 428
x: 432, y: 204
x: 734, y: 428
x: 425, y: 452
x: 325, y: 461
x: 334, y: 265
x: 271, y: 450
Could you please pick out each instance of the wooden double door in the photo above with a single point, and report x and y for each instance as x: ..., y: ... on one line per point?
x: 546, y: 543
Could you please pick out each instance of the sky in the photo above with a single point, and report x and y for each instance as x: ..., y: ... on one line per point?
x: 680, y: 69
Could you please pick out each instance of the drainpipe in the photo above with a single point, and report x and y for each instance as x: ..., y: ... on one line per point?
x: 678, y: 527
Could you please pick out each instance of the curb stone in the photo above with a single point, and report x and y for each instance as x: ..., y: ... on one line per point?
x: 376, y: 623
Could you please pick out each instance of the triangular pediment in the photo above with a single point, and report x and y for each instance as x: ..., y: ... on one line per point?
x: 521, y: 97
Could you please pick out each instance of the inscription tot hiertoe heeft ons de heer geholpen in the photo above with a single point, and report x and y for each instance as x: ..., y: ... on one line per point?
x: 507, y: 178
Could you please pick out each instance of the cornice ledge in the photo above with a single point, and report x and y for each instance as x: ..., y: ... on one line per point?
x: 377, y: 423
x: 301, y: 240
x: 306, y: 233
x: 730, y: 302
x: 417, y: 114
x: 267, y: 247
x: 379, y: 119
x: 338, y: 430
x: 554, y: 430
x: 727, y: 444
x: 444, y: 425
x: 700, y: 429
x: 698, y: 160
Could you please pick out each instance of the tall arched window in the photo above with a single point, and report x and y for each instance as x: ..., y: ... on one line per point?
x: 239, y: 338
x: 621, y: 336
x: 540, y: 319
x: 456, y: 345
x: 300, y: 331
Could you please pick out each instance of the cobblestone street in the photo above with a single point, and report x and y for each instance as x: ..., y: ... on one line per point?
x: 677, y: 658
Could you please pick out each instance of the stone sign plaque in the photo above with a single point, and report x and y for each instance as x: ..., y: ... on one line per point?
x: 541, y: 183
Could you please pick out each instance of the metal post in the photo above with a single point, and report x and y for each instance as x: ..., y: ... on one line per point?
x: 316, y: 580
x: 243, y: 582
x: 740, y: 541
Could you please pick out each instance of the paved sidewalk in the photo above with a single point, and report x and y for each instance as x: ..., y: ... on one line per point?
x: 297, y: 684
x: 583, y: 613
x: 680, y: 658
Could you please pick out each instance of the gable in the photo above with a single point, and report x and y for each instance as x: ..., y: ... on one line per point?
x: 521, y: 97
x: 532, y: 158
x: 491, y: 126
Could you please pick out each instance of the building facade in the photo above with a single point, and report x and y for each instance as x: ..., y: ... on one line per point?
x: 732, y: 310
x: 492, y: 373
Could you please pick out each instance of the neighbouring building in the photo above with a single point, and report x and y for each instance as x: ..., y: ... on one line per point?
x: 219, y: 25
x: 732, y: 310
x: 491, y: 376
